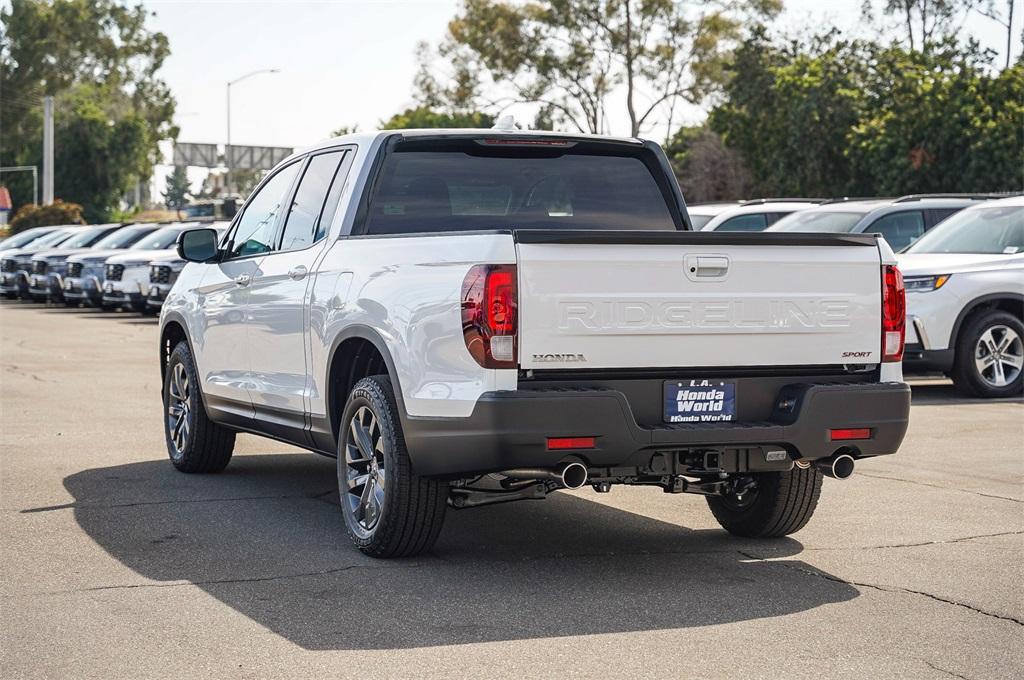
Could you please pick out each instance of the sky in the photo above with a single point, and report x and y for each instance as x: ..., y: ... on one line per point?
x: 349, y: 62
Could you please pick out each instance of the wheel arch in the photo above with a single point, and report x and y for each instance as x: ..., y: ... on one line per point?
x: 357, y: 352
x: 1012, y: 303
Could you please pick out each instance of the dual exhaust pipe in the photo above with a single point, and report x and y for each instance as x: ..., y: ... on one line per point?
x: 569, y: 475
x: 574, y: 475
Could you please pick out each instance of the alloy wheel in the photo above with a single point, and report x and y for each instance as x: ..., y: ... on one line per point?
x: 178, y: 408
x: 365, y: 470
x: 999, y: 355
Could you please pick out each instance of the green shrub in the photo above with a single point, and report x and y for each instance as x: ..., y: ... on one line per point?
x: 59, y: 212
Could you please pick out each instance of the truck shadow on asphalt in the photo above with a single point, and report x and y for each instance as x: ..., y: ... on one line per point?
x: 266, y: 538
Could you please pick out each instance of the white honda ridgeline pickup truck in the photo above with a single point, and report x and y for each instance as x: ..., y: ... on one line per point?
x: 465, y: 317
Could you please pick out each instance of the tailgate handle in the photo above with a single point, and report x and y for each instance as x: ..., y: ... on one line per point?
x: 709, y: 266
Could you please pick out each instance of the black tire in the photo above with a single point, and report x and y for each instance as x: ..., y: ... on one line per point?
x: 405, y: 518
x: 781, y: 504
x: 206, y: 446
x: 966, y: 375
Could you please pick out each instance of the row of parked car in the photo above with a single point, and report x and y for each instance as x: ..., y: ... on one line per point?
x: 127, y: 266
x: 962, y: 258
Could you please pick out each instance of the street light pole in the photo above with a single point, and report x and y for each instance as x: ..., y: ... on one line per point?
x: 227, y: 149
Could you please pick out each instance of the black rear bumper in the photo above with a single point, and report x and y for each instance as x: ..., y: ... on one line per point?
x: 510, y: 429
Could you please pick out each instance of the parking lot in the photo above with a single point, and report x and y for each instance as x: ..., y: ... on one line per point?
x: 114, y: 565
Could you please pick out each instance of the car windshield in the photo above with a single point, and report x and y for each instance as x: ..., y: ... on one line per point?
x: 53, y: 238
x: 830, y: 221
x: 122, y: 238
x: 700, y: 220
x: 161, y: 239
x: 85, y: 238
x: 990, y: 230
x: 465, y: 185
x: 23, y: 239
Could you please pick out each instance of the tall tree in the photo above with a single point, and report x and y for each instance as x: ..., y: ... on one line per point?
x: 176, y: 193
x: 1005, y: 19
x: 579, y: 58
x: 52, y: 47
x: 925, y: 22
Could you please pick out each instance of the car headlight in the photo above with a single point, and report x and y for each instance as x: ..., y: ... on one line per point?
x: 923, y: 284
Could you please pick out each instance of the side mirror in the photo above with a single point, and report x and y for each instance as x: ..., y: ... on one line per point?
x: 197, y: 245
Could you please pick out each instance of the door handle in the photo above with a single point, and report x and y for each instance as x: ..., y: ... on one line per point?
x: 243, y: 280
x: 712, y: 266
x: 298, y: 273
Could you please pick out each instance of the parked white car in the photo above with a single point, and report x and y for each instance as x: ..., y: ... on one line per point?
x: 965, y: 299
x: 756, y: 215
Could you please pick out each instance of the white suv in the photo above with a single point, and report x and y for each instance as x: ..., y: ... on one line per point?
x: 965, y: 296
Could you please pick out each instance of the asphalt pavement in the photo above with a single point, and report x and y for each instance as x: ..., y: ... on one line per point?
x: 113, y: 565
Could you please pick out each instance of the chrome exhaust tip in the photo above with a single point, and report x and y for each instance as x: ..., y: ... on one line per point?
x: 837, y: 467
x: 573, y: 476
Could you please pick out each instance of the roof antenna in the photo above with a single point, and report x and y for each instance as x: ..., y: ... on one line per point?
x: 506, y: 123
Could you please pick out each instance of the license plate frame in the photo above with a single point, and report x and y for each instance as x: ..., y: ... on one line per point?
x: 699, y: 400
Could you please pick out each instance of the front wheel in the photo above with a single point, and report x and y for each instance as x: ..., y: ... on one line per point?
x: 781, y: 503
x: 194, y: 442
x: 389, y: 511
x: 990, y: 356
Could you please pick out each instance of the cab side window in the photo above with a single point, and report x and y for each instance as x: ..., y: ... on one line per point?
x: 899, y: 229
x: 303, y: 226
x: 255, y: 230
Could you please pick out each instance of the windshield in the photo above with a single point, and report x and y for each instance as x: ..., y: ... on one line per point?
x: 85, y: 238
x: 122, y: 238
x: 24, y: 238
x: 161, y: 239
x: 477, y: 187
x: 53, y: 238
x: 830, y: 221
x: 991, y: 230
x: 700, y: 220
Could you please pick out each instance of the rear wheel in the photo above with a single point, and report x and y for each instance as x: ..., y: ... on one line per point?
x: 780, y: 504
x: 990, y: 356
x: 194, y: 442
x: 389, y: 511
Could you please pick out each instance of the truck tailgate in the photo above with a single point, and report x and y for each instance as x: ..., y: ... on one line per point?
x: 692, y: 299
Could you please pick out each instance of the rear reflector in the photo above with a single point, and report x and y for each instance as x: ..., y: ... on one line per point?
x: 854, y: 433
x: 560, y: 443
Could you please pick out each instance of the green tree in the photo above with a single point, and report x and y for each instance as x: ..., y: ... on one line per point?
x: 574, y: 57
x: 74, y: 49
x: 707, y: 170
x: 938, y: 121
x: 103, y: 150
x: 176, y: 193
x: 788, y: 109
x: 425, y: 117
x: 925, y: 23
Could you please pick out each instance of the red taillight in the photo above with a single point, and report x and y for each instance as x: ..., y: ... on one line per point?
x: 848, y: 434
x: 561, y: 443
x: 489, y: 314
x: 894, y: 314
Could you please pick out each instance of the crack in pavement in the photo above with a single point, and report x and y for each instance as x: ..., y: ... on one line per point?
x: 921, y: 544
x: 943, y: 670
x: 212, y: 582
x: 943, y: 487
x: 885, y: 589
x: 90, y: 506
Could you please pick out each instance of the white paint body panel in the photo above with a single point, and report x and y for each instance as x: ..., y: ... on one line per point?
x: 407, y: 290
x: 626, y: 306
x: 972, y: 277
